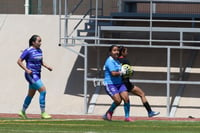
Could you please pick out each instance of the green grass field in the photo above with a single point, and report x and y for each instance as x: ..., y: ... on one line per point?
x: 95, y: 126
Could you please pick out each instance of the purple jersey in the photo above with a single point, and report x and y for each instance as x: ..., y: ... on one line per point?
x: 33, y: 58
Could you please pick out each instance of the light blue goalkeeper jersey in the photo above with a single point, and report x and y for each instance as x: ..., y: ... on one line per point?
x: 112, y: 65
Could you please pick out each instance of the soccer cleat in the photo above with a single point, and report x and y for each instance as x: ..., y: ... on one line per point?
x: 128, y: 119
x: 22, y: 114
x: 108, y: 116
x: 153, y: 113
x: 44, y: 115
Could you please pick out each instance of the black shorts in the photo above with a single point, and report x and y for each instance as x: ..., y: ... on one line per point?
x: 128, y: 84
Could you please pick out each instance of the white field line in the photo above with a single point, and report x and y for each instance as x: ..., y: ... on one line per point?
x: 40, y: 131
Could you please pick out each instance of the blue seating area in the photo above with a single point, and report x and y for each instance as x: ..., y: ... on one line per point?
x: 90, y: 26
x: 155, y: 16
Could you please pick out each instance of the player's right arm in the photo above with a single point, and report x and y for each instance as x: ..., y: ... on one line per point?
x: 115, y: 73
x: 20, y: 63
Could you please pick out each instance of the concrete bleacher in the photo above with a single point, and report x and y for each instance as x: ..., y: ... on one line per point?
x: 150, y: 64
x: 174, y: 32
x: 127, y: 26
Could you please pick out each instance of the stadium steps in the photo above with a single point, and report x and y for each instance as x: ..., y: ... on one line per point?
x: 90, y: 26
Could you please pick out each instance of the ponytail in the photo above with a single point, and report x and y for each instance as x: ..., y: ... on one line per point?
x: 32, y: 39
x: 121, y: 50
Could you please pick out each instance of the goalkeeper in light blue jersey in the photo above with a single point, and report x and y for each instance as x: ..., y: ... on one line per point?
x: 114, y: 85
x: 34, y: 61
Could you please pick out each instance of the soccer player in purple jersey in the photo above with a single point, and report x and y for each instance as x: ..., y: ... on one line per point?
x: 114, y: 85
x: 34, y: 61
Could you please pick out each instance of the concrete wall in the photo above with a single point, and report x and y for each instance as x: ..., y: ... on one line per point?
x: 15, y: 31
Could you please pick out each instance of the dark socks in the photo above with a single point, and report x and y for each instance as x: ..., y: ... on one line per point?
x: 147, y: 106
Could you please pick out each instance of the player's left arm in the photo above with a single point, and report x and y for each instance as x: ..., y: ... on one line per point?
x: 46, y: 66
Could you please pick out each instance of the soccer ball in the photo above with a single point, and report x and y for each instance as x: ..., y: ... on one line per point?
x: 128, y: 69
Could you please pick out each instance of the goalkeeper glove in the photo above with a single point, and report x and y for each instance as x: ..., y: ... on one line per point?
x: 123, y: 72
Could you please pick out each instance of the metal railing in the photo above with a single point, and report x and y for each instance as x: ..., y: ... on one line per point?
x: 97, y: 38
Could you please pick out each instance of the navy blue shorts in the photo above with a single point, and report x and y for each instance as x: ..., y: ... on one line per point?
x: 112, y: 89
x: 34, y: 81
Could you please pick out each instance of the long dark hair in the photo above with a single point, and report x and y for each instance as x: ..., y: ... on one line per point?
x: 111, y: 47
x: 32, y: 39
x: 121, y: 50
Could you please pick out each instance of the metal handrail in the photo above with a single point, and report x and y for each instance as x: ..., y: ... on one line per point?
x: 76, y: 7
x: 75, y: 27
x: 145, y: 20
